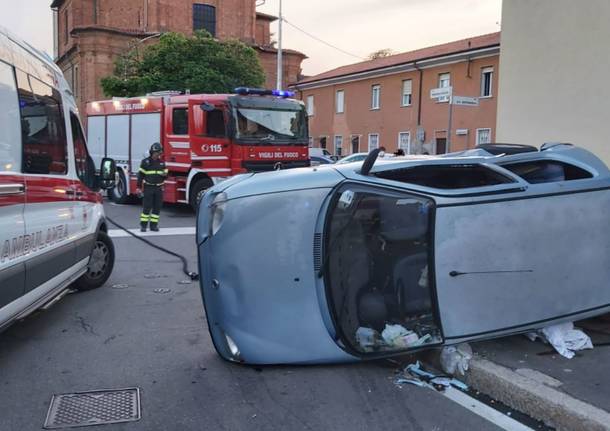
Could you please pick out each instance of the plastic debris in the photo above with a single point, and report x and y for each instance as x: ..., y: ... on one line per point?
x: 414, y: 374
x: 564, y: 338
x: 162, y: 290
x: 398, y: 336
x: 456, y: 359
x: 367, y: 338
x: 120, y: 286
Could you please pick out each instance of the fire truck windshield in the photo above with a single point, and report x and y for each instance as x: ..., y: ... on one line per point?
x: 270, y: 125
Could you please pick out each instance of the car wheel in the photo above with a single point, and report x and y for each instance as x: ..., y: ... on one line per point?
x: 100, y: 264
x: 197, y: 191
x: 119, y: 193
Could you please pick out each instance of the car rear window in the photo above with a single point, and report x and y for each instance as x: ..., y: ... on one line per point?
x: 547, y: 171
x: 447, y: 176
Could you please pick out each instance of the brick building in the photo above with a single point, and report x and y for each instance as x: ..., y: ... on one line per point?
x: 91, y: 34
x: 386, y: 102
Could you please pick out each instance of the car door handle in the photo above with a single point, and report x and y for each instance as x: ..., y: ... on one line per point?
x: 11, y: 189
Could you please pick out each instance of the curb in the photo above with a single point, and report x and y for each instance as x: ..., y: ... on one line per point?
x: 535, y: 398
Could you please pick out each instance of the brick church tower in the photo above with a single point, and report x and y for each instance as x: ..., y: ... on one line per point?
x: 91, y: 34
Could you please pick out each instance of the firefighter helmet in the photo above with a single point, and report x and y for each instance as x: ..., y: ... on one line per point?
x: 156, y: 148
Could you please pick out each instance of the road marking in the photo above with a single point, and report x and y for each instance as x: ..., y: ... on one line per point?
x: 167, y: 231
x: 492, y: 415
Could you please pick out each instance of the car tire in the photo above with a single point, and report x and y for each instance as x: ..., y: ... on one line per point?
x: 101, y: 263
x: 118, y: 193
x: 197, y: 191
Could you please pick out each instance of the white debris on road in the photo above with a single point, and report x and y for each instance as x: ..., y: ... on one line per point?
x: 564, y: 338
x: 455, y: 359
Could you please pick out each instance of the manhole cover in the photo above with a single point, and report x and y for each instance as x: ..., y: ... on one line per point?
x: 93, y: 408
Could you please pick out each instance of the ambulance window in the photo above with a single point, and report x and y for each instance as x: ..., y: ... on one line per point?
x: 43, y: 130
x: 10, y: 148
x: 84, y: 170
x: 215, y: 124
x: 180, y: 121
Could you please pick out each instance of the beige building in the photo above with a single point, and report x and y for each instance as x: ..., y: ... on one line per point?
x: 555, y: 66
x: 386, y: 102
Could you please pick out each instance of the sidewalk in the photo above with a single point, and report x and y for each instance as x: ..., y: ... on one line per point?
x: 532, y: 377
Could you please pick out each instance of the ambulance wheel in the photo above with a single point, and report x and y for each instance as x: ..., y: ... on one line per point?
x: 119, y: 193
x: 197, y: 191
x: 100, y: 264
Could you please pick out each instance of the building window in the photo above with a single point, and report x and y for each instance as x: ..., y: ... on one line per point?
x: 375, y: 96
x: 487, y: 74
x: 10, y: 132
x: 43, y: 130
x: 204, y: 18
x: 483, y: 136
x: 338, y: 145
x: 404, y: 142
x: 180, y: 121
x: 340, y: 101
x: 310, y: 106
x: 407, y: 86
x: 355, y: 144
x: 444, y: 81
x: 323, y: 142
x: 373, y: 141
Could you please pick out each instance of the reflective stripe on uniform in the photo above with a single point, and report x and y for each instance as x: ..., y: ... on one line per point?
x: 144, y: 217
x: 145, y: 172
x: 154, y: 217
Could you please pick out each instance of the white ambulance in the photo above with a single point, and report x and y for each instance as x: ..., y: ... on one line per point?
x: 52, y: 226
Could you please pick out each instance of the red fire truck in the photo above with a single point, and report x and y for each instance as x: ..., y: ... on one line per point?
x: 206, y: 137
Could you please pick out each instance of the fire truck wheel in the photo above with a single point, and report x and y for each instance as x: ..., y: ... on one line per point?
x: 100, y: 264
x: 197, y: 191
x: 119, y: 192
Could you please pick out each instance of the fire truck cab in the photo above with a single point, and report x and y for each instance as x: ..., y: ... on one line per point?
x: 206, y: 137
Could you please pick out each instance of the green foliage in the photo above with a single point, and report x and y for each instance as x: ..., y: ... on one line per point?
x: 200, y: 64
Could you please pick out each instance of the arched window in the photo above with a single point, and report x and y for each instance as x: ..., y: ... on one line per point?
x: 204, y: 18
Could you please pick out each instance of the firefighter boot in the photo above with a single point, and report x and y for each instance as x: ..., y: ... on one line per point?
x: 154, y: 227
x: 143, y: 227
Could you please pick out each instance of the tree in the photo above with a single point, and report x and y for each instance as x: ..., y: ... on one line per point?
x: 386, y: 52
x: 199, y: 63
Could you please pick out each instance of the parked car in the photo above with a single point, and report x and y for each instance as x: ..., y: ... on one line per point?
x: 366, y: 261
x: 320, y: 160
x: 319, y: 152
x: 53, y: 233
x: 356, y: 157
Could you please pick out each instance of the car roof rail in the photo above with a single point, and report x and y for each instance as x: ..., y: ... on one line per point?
x: 549, y: 145
x: 507, y: 149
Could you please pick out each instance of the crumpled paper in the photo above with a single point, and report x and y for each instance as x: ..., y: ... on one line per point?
x: 564, y: 338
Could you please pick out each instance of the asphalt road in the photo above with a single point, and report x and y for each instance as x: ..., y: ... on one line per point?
x: 152, y: 334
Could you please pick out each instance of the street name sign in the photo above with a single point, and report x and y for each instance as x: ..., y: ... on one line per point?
x: 437, y: 93
x: 465, y: 101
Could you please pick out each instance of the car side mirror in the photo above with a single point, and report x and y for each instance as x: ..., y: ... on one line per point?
x: 108, y: 173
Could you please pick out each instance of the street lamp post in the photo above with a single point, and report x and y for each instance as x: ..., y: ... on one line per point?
x: 280, y: 69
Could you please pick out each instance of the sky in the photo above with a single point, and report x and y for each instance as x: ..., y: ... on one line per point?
x: 358, y: 27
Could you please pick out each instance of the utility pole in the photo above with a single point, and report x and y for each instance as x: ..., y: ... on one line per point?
x: 448, y: 149
x: 280, y: 68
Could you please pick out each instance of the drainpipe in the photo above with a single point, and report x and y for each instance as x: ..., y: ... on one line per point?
x: 419, y: 93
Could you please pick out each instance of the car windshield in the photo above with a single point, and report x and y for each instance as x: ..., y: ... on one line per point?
x: 377, y: 270
x: 271, y: 124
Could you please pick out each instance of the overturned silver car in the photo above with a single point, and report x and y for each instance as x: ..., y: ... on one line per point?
x: 369, y: 260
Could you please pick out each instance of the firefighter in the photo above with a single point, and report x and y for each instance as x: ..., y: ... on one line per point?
x: 151, y: 178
